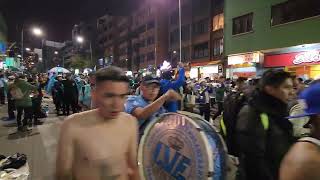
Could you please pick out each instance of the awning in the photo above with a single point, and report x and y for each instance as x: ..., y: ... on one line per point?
x: 205, y: 63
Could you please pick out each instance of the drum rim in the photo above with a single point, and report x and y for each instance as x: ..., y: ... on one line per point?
x: 203, y: 135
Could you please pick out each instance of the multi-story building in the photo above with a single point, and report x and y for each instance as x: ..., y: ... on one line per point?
x: 3, y: 36
x: 149, y: 34
x: 106, y: 38
x: 201, y: 36
x: 272, y: 34
x: 51, y: 56
x: 124, y: 53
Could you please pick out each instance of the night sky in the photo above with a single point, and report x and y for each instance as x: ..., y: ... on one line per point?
x: 57, y: 17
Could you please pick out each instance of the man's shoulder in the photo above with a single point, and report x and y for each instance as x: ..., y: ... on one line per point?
x: 77, y: 119
x: 304, y: 157
x: 127, y: 118
x: 136, y: 99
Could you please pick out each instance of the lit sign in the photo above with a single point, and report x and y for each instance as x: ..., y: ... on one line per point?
x: 307, y: 57
x: 246, y: 58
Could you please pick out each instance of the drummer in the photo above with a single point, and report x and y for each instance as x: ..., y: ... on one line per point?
x: 146, y: 106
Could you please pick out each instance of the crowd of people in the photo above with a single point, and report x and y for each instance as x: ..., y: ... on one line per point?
x: 261, y: 119
x: 25, y: 93
x: 255, y: 122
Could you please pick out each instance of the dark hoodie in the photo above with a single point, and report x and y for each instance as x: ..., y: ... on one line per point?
x: 261, y: 150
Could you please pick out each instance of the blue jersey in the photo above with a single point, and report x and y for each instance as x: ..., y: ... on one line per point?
x: 134, y: 102
x: 165, y: 85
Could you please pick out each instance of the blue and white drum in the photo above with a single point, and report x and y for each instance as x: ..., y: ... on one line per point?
x: 177, y: 146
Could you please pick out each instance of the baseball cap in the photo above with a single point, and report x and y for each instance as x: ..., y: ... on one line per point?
x: 149, y: 79
x: 310, y: 98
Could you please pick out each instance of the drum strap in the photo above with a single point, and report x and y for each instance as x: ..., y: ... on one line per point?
x: 310, y: 140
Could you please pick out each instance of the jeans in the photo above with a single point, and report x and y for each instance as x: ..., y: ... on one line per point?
x: 27, y: 111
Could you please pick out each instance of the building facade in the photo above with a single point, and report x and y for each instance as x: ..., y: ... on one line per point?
x: 3, y: 36
x: 149, y: 35
x: 201, y: 35
x: 272, y: 34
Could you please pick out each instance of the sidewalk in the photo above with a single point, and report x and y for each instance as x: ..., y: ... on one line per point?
x: 39, y: 145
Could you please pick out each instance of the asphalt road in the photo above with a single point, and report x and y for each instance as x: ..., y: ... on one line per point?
x: 39, y: 145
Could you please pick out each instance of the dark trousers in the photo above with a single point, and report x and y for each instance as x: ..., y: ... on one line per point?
x: 2, y: 95
x: 205, y: 111
x: 220, y: 109
x: 27, y: 112
x: 36, y: 106
x: 66, y: 106
x: 59, y: 105
x: 11, y: 108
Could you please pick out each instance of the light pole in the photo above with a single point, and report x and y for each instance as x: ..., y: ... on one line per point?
x: 36, y: 31
x: 180, y: 29
x: 80, y: 40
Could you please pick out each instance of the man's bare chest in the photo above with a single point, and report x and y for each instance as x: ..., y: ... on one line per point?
x: 101, y: 145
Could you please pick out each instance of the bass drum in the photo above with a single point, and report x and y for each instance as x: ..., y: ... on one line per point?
x: 181, y: 146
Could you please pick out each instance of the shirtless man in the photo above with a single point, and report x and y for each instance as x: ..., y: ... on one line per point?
x: 303, y: 160
x: 100, y: 144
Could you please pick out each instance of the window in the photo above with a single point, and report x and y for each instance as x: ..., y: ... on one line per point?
x: 142, y: 29
x: 185, y: 33
x: 174, y: 18
x: 150, y: 25
x: 201, y: 50
x: 174, y: 36
x: 217, y: 47
x: 142, y: 58
x: 200, y: 27
x: 242, y: 24
x: 143, y: 43
x: 150, y: 56
x: 150, y: 40
x: 294, y: 10
x: 218, y: 22
x: 110, y: 25
x: 185, y: 55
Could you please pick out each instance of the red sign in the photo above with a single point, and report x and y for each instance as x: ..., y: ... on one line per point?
x: 292, y: 59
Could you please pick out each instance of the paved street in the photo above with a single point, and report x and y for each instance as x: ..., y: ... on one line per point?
x: 39, y: 145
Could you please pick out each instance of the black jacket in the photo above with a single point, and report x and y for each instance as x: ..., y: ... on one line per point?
x: 261, y: 150
x: 70, y: 89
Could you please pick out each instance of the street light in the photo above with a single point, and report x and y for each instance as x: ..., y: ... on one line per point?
x: 37, y: 31
x: 56, y: 52
x: 80, y: 39
x: 174, y: 52
x: 28, y: 49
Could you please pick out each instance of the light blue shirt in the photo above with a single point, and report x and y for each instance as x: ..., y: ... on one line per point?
x: 134, y: 102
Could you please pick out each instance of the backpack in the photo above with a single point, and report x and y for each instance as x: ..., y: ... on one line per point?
x: 16, y: 93
x: 232, y: 105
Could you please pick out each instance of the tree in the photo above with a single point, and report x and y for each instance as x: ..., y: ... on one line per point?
x: 79, y: 62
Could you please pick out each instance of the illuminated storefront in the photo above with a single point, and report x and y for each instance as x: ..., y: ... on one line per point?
x: 243, y: 65
x: 302, y: 64
x: 207, y: 69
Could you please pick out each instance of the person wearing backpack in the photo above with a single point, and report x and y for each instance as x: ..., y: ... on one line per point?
x: 232, y: 105
x: 20, y: 91
x: 303, y: 159
x: 263, y: 134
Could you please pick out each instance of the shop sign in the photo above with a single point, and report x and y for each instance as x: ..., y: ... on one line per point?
x: 307, y: 57
x: 292, y: 59
x: 244, y: 59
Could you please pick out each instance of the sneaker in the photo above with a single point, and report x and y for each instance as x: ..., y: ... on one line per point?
x: 26, y: 129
